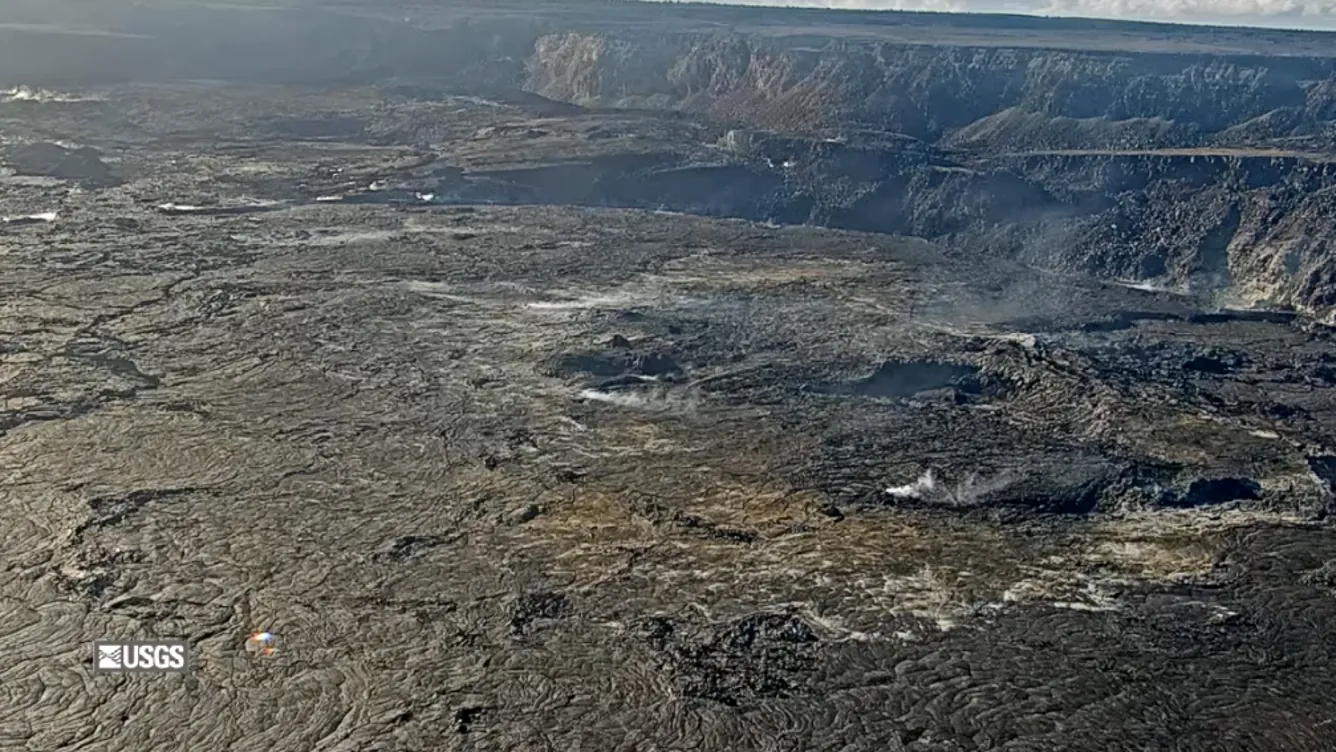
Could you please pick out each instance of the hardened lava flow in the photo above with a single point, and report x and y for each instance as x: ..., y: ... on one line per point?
x: 631, y: 377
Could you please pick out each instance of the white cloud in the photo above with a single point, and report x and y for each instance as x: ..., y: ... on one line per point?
x: 1297, y: 13
x: 1193, y: 8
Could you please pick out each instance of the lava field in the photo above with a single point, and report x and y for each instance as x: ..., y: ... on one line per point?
x: 528, y: 423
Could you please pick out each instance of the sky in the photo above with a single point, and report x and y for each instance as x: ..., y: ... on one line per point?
x: 1294, y: 14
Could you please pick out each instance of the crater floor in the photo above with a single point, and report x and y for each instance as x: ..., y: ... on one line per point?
x: 553, y: 478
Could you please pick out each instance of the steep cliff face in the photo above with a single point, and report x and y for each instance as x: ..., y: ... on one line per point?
x: 1283, y: 251
x: 1016, y: 128
x: 1248, y: 230
x: 1178, y: 169
x: 924, y: 91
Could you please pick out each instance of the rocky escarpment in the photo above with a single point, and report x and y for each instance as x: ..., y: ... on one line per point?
x: 1178, y: 169
x: 924, y: 91
x: 1243, y: 226
x: 1246, y: 228
x: 1016, y: 128
x: 1005, y: 83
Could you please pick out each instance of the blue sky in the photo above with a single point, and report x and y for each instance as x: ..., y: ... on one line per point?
x: 1302, y: 14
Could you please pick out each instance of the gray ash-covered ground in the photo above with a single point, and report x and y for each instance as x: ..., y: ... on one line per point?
x: 543, y: 477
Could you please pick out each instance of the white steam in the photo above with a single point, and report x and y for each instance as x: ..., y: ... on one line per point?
x: 42, y: 217
x: 919, y: 489
x: 29, y: 94
x: 970, y: 491
x: 655, y: 399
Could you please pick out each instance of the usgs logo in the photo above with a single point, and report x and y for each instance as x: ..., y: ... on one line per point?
x: 141, y: 657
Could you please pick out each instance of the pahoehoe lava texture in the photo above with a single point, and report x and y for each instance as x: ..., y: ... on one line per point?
x: 632, y: 377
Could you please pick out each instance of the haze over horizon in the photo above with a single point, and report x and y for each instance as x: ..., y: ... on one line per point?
x: 1293, y: 14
